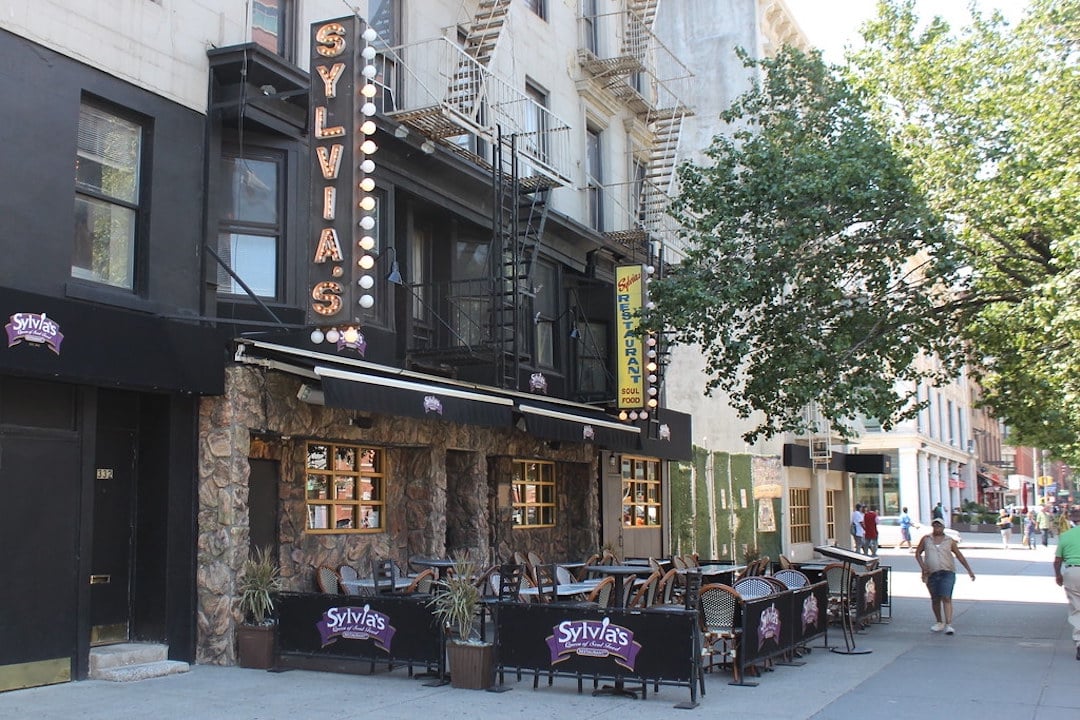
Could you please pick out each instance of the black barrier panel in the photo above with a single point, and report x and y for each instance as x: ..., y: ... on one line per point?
x: 866, y: 593
x: 605, y: 643
x: 380, y: 628
x: 809, y: 612
x: 764, y: 633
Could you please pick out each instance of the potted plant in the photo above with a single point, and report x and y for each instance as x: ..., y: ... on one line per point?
x: 260, y: 579
x: 457, y: 602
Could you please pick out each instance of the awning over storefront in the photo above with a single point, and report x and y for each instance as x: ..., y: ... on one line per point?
x: 554, y: 422
x: 409, y: 398
x: 669, y: 436
x: 990, y: 483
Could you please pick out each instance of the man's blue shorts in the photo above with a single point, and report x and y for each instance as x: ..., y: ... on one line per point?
x: 941, y: 584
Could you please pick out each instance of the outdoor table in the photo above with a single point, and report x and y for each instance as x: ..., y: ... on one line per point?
x: 441, y: 565
x: 618, y: 572
x: 715, y: 573
x: 366, y: 586
x: 564, y: 590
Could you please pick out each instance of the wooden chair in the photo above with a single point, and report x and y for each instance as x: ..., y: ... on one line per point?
x: 678, y: 562
x: 656, y: 566
x: 786, y: 564
x: 720, y: 620
x: 422, y: 583
x: 563, y: 576
x: 583, y: 571
x: 608, y: 558
x: 690, y: 560
x: 348, y: 572
x: 792, y: 579
x: 534, y: 558
x: 646, y: 593
x: 601, y: 594
x: 327, y: 580
x: 839, y: 579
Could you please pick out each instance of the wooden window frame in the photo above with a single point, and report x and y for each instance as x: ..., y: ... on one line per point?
x: 799, y: 514
x: 642, y: 492
x: 327, y: 488
x: 543, y: 502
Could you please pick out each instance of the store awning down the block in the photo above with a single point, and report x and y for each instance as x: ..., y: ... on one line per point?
x: 553, y: 422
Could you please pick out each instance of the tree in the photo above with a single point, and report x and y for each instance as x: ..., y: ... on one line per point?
x: 987, y: 119
x: 815, y: 271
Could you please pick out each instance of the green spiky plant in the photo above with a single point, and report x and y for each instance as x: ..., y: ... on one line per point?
x: 260, y: 579
x: 457, y: 600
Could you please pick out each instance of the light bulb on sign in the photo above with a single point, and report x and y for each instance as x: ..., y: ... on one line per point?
x: 650, y: 341
x: 653, y: 402
x: 369, y: 71
x: 368, y: 127
x: 366, y: 281
x: 332, y: 335
x: 367, y: 203
x: 651, y: 354
x: 652, y: 391
x: 367, y: 242
x: 633, y: 415
x: 366, y: 261
x: 369, y: 34
x: 368, y: 109
x: 368, y: 53
x: 368, y: 90
x: 367, y: 184
x: 622, y: 415
x: 367, y: 167
x: 317, y: 336
x: 366, y: 301
x: 368, y: 147
x: 651, y: 367
x: 643, y: 415
x: 367, y: 222
x: 649, y: 269
x: 351, y: 335
x: 652, y: 378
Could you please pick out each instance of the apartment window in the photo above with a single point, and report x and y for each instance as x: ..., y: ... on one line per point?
x: 594, y: 178
x: 533, y: 494
x: 250, y: 231
x: 272, y: 23
x: 345, y: 488
x: 592, y: 343
x: 641, y: 499
x: 534, y: 141
x: 799, y: 508
x: 590, y: 38
x: 108, y: 163
x: 639, y: 188
x: 384, y: 18
x: 545, y: 314
x: 538, y: 6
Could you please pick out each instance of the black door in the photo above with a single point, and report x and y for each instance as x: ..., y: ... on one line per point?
x: 262, y: 505
x: 113, y: 543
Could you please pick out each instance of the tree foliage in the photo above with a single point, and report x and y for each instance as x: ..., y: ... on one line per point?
x: 815, y: 271
x: 987, y: 119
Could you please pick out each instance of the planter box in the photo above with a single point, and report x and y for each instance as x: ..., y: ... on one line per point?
x: 255, y: 645
x: 472, y: 667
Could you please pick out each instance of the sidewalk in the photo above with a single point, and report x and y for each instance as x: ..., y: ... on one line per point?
x: 1012, y: 657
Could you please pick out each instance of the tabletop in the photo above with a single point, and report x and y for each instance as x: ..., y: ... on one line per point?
x: 565, y: 590
x: 369, y: 584
x: 715, y: 569
x: 618, y: 569
x: 431, y: 562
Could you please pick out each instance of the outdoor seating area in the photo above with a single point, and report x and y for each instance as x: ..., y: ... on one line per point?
x: 678, y: 620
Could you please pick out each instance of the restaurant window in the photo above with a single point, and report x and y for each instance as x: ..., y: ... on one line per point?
x: 830, y: 514
x: 108, y: 175
x: 641, y: 492
x: 799, y: 508
x: 272, y: 23
x: 250, y: 230
x: 533, y: 494
x: 345, y: 488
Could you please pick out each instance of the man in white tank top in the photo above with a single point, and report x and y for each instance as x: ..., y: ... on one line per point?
x: 935, y: 555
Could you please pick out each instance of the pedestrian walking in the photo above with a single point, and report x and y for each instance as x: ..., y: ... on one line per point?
x: 1067, y: 575
x: 938, y: 512
x: 1044, y: 521
x: 870, y: 530
x: 1030, y: 529
x: 935, y: 555
x: 1005, y: 526
x: 905, y: 530
x: 858, y: 532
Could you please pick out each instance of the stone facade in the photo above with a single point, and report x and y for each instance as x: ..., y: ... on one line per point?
x: 447, y: 489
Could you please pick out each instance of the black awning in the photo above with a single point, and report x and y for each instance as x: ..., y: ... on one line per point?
x: 669, y: 435
x: 111, y: 347
x: 553, y: 422
x: 385, y: 395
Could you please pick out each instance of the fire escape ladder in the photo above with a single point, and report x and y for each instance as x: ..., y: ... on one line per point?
x: 506, y: 264
x: 644, y: 9
x: 483, y: 34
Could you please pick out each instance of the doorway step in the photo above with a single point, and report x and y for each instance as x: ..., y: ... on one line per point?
x: 125, y: 662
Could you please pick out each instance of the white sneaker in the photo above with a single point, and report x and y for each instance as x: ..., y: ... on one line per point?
x: 937, y: 627
x: 949, y: 630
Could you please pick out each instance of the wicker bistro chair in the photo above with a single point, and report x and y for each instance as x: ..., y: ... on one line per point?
x: 348, y: 572
x: 583, y: 571
x: 422, y: 583
x: 601, y: 594
x: 563, y: 576
x: 754, y: 587
x: 837, y: 575
x: 678, y: 562
x: 646, y: 592
x: 327, y: 580
x: 667, y: 589
x: 792, y: 579
x: 721, y: 629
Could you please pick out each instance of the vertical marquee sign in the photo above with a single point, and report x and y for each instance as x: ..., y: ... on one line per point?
x: 630, y: 355
x: 333, y: 73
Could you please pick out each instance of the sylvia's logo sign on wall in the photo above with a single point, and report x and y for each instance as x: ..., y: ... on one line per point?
x: 356, y: 623
x: 34, y: 328
x: 593, y: 638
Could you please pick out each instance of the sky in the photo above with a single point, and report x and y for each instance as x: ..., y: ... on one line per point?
x: 831, y: 25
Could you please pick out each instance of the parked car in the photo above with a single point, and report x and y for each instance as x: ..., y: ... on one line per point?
x: 889, y: 531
